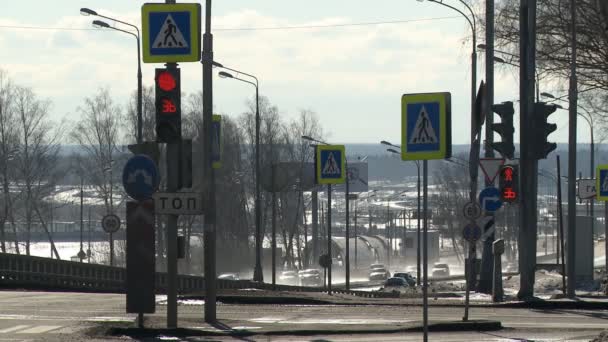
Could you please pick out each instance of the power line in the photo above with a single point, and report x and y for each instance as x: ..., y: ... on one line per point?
x: 269, y: 28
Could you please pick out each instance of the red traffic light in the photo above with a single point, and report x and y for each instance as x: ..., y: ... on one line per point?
x: 507, y: 173
x: 166, y: 81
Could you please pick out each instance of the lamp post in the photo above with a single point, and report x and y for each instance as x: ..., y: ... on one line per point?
x: 102, y: 24
x: 418, y: 214
x: 257, y: 272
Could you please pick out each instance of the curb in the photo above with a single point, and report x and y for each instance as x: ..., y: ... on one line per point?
x: 473, y: 325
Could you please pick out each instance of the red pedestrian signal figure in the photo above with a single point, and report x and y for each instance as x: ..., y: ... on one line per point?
x: 168, y: 107
x: 508, y: 183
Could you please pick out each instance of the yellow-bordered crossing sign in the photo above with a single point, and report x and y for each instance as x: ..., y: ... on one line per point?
x: 171, y: 32
x: 426, y: 131
x: 330, y: 163
x: 601, y: 185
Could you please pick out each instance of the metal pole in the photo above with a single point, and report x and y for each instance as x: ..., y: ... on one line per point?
x: 208, y: 172
x: 315, y: 225
x: 347, y: 232
x: 487, y: 258
x: 329, y: 238
x: 356, y: 207
x: 257, y: 273
x: 572, y: 160
x: 89, y: 242
x: 274, y: 228
x: 606, y: 236
x: 139, y: 96
x: 81, y: 218
x: 418, y: 237
x: 591, y: 175
x: 425, y: 299
x: 561, y: 224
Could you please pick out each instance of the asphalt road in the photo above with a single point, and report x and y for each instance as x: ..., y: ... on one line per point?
x: 57, y: 316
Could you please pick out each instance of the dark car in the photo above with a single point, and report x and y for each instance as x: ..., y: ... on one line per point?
x: 310, y: 277
x: 411, y: 281
x: 440, y: 270
x: 395, y: 284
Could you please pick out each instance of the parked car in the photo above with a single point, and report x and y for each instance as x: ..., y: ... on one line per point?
x: 440, y: 270
x: 379, y: 274
x: 395, y: 284
x: 289, y: 278
x: 228, y: 276
x: 374, y: 266
x: 310, y: 277
x: 409, y: 279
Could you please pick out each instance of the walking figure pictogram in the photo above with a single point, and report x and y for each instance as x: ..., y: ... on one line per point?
x: 605, y: 184
x: 423, y: 130
x: 169, y: 32
x: 331, y: 167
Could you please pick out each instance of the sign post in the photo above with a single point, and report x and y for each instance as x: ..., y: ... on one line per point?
x: 601, y: 188
x: 426, y: 133
x: 330, y: 165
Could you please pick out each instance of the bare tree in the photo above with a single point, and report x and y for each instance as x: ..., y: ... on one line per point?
x: 97, y: 133
x: 8, y: 149
x: 37, y: 156
x: 148, y: 113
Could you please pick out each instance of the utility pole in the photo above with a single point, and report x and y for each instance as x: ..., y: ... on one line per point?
x: 347, y: 261
x: 208, y: 172
x: 329, y: 238
x: 315, y: 225
x: 528, y: 161
x: 487, y: 257
x: 572, y: 97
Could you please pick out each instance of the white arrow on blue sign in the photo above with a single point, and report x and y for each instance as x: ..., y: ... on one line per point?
x: 489, y: 199
x: 140, y: 177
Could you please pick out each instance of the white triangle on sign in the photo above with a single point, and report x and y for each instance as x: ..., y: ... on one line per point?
x: 491, y: 167
x: 169, y: 36
x: 331, y: 167
x: 423, y: 130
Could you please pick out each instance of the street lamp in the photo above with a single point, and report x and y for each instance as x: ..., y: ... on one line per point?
x: 418, y: 232
x: 257, y: 272
x: 102, y: 24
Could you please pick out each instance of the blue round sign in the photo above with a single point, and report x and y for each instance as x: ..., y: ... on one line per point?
x: 489, y: 199
x: 140, y: 177
x: 471, y: 232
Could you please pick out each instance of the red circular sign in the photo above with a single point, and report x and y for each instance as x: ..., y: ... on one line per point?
x: 166, y: 81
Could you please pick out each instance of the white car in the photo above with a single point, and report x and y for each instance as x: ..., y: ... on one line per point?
x: 289, y: 278
x: 228, y: 276
x: 440, y: 270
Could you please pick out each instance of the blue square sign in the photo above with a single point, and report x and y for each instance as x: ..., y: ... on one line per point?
x: 601, y: 185
x: 330, y: 164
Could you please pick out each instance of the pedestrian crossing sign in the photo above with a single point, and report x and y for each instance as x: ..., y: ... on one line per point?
x: 171, y: 32
x: 426, y: 131
x: 602, y: 183
x: 330, y: 164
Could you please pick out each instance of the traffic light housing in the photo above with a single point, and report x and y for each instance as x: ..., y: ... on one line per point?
x: 168, y: 105
x: 504, y: 128
x: 508, y: 183
x: 542, y: 129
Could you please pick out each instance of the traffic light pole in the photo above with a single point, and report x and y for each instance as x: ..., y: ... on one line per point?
x: 425, y: 254
x: 329, y: 238
x: 208, y: 172
x: 528, y: 161
x: 571, y: 249
x: 347, y: 261
x: 487, y: 258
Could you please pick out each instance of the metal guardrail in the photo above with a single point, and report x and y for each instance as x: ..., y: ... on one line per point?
x: 51, y: 274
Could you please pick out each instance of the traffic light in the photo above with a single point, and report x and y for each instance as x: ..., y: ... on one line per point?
x: 542, y: 129
x: 508, y: 183
x: 168, y: 105
x: 504, y: 128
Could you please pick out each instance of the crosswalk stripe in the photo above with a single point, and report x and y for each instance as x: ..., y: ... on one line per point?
x: 16, y: 327
x: 39, y: 329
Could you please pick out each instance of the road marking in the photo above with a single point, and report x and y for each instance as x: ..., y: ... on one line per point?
x: 39, y: 329
x: 11, y: 329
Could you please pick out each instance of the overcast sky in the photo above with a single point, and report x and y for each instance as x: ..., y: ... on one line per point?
x: 352, y: 76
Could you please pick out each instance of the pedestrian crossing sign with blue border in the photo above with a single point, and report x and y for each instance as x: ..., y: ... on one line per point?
x: 330, y: 164
x: 426, y: 131
x: 171, y: 32
x: 601, y: 185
